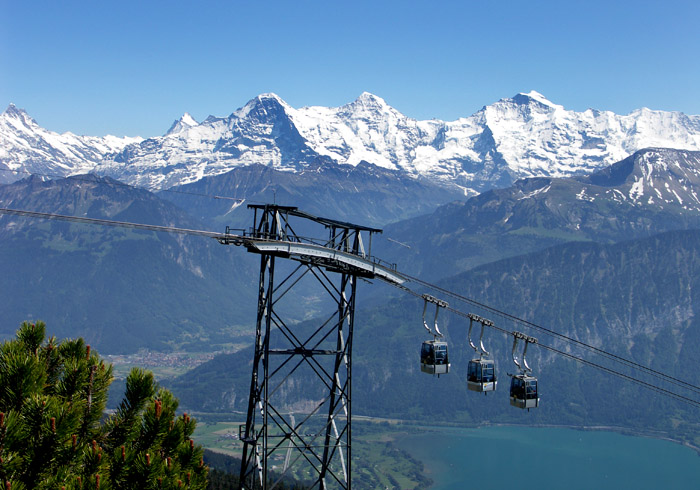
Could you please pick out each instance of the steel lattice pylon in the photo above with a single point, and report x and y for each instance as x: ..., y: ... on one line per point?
x: 312, y: 442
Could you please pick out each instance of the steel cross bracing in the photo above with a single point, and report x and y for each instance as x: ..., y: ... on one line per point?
x: 313, y: 359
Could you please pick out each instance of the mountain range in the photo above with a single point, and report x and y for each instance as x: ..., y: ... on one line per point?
x: 123, y: 290
x: 651, y: 191
x: 608, y: 258
x: 519, y: 137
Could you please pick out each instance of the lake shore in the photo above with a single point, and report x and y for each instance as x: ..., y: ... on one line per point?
x: 577, y: 457
x: 608, y: 428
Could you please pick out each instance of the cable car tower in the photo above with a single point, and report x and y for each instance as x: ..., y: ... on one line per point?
x: 317, y: 360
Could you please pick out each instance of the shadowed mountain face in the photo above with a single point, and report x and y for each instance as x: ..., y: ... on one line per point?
x: 364, y: 194
x: 652, y: 191
x: 120, y: 289
x: 124, y: 289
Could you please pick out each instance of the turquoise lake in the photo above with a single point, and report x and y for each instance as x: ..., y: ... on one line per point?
x: 551, y: 458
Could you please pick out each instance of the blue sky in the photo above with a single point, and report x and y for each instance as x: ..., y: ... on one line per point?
x: 131, y: 68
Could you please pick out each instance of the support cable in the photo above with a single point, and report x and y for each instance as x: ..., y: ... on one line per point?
x: 597, y: 350
x: 107, y: 222
x: 581, y: 360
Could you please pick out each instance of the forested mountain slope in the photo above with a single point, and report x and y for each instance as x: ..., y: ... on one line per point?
x: 120, y: 289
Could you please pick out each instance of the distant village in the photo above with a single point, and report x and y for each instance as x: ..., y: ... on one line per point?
x: 150, y: 359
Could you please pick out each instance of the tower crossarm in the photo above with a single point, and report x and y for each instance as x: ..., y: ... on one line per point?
x: 329, y: 258
x: 347, y: 249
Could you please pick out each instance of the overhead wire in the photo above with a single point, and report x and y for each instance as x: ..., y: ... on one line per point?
x: 627, y: 362
x: 653, y: 387
x: 107, y: 222
x: 614, y: 357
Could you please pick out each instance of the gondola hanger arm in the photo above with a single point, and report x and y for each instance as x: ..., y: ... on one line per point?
x: 438, y: 304
x: 522, y: 364
x: 425, y: 324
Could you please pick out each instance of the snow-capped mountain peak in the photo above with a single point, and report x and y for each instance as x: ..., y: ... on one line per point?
x: 184, y: 123
x: 369, y: 99
x: 366, y: 105
x: 536, y: 96
x: 270, y: 96
x: 654, y: 176
x: 527, y: 104
x: 27, y: 148
x: 260, y: 105
x: 13, y: 111
x: 18, y: 117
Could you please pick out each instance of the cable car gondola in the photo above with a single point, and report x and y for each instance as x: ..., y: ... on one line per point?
x: 523, y: 386
x: 481, y: 375
x: 433, y: 357
x: 523, y: 391
x: 433, y: 353
x: 481, y: 371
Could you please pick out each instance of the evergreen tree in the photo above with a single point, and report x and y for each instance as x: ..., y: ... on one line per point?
x: 52, y: 400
